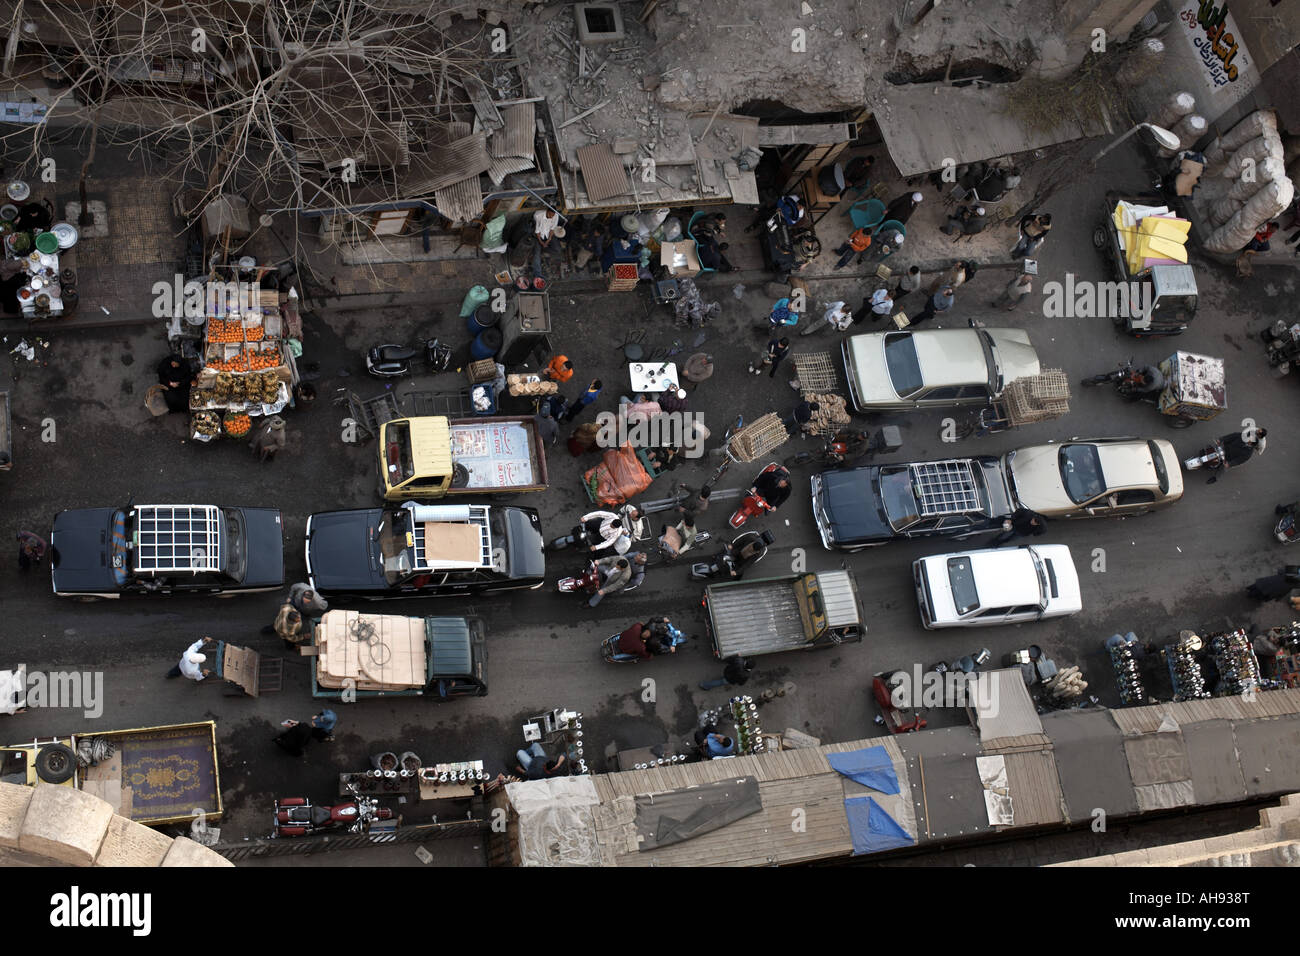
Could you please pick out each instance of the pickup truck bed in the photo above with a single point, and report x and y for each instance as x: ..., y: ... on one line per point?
x: 496, y: 454
x: 757, y: 617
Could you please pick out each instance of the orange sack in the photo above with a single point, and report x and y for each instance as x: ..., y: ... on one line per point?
x: 618, y: 478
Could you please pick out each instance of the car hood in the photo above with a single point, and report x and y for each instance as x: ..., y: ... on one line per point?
x: 340, y: 551
x: 1016, y: 357
x: 265, y: 567
x: 1037, y: 478
x: 79, y: 551
x: 870, y: 373
x: 849, y: 507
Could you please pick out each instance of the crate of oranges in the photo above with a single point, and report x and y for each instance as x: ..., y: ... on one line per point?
x: 237, y: 425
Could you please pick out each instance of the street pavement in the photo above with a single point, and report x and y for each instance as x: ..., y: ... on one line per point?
x: 1187, y: 566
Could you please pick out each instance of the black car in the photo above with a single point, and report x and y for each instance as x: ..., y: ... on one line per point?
x: 424, y: 550
x: 165, y: 549
x: 874, y: 504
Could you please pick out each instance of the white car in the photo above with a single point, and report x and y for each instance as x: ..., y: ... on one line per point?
x: 996, y: 586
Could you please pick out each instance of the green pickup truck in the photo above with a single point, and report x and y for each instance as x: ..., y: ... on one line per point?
x: 390, y: 655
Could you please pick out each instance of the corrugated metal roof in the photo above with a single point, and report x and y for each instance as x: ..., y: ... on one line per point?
x: 519, y: 135
x: 602, y: 172
x: 839, y: 597
x: 460, y: 202
x: 501, y: 168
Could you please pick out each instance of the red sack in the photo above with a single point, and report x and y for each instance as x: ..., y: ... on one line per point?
x: 618, y: 478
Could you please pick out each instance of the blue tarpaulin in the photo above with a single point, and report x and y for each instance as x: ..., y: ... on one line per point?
x: 873, y: 829
x: 870, y: 767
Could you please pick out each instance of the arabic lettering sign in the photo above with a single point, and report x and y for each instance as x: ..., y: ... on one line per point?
x: 1227, y: 68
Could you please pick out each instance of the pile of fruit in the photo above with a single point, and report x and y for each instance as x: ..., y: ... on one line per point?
x: 221, y: 331
x: 207, y: 423
x: 246, y: 362
x: 237, y: 424
x: 262, y: 388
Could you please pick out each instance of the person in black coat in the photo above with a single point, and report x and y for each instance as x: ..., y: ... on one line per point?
x: 176, y: 377
x: 1023, y: 524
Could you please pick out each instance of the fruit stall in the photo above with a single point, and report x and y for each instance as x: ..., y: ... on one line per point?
x: 247, y: 368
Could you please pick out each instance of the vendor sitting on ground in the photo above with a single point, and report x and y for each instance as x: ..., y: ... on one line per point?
x: 176, y: 376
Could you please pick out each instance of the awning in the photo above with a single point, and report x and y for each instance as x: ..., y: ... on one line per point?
x: 925, y: 125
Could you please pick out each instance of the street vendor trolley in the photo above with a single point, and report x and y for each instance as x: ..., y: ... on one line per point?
x: 818, y: 382
x: 1035, y: 398
x: 1195, y: 389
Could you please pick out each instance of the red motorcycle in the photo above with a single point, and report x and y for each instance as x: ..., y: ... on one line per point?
x: 587, y: 582
x: 770, y: 490
x: 298, y: 816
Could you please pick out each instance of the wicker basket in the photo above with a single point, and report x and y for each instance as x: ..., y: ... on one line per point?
x: 758, y: 438
x: 484, y: 370
x: 1038, y: 398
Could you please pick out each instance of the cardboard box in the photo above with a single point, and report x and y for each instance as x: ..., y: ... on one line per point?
x: 679, y: 258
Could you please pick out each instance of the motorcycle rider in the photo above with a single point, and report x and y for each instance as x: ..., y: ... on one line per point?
x: 745, y: 555
x: 605, y: 530
x: 1240, y: 447
x: 772, y: 486
x: 1148, y: 380
x: 614, y: 573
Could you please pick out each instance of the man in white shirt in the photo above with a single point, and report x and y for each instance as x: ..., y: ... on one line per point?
x: 838, y: 317
x: 546, y: 230
x: 191, y: 663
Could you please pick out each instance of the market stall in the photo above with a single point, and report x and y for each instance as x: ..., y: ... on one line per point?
x: 39, y: 268
x: 247, y: 362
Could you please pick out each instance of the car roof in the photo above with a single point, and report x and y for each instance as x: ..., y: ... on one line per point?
x: 1005, y: 577
x: 951, y: 357
x: 1126, y: 464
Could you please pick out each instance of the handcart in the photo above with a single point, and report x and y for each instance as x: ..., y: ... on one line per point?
x: 369, y: 413
x: 1195, y: 389
x: 750, y: 442
x: 1035, y: 398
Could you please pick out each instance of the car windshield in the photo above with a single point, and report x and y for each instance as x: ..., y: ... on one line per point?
x: 400, y: 463
x: 1081, y: 472
x: 1158, y: 462
x: 236, y: 546
x: 896, y: 493
x: 962, y: 578
x: 903, y: 364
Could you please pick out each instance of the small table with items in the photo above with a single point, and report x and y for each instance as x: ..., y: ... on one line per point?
x: 652, y: 377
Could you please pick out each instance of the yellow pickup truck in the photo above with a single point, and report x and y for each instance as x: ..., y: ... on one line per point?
x: 151, y: 775
x: 433, y: 456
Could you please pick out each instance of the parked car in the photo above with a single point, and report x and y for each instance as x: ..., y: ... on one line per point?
x: 872, y: 505
x: 996, y: 586
x: 424, y: 550
x: 165, y: 549
x: 934, y: 368
x: 1104, y: 477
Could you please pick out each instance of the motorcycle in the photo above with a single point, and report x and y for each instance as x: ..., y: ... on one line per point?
x: 1134, y: 382
x: 727, y: 562
x: 755, y: 503
x: 661, y: 554
x: 298, y: 816
x: 1212, y: 458
x: 609, y: 647
x: 1286, y: 530
x: 394, y: 361
x: 588, y: 582
x: 583, y: 537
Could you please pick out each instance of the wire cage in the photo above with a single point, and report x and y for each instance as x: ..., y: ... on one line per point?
x: 758, y: 438
x: 815, y: 372
x: 1037, y: 398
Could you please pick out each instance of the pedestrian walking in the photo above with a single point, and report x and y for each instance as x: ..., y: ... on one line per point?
x: 583, y: 438
x: 938, y: 303
x: 857, y: 242
x: 294, y: 738
x: 781, y: 316
x: 777, y: 349
x: 558, y: 405
x: 559, y: 369
x: 961, y: 271
x: 31, y: 550
x: 1016, y: 290
x: 879, y: 306
x: 735, y: 672
x: 901, y: 209
x: 801, y: 415
x: 547, y: 427
x: 323, y: 724
x: 908, y: 283
x: 1022, y: 524
x: 697, y: 368
x: 698, y: 504
x: 288, y: 626
x: 307, y: 601
x: 586, y: 398
x: 1033, y: 233
x: 837, y: 316
x: 269, y: 439
x: 192, y: 661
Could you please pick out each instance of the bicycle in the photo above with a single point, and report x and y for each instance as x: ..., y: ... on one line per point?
x: 726, y: 455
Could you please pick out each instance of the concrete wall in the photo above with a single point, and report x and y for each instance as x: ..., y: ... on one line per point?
x: 1116, y: 17
x: 48, y: 825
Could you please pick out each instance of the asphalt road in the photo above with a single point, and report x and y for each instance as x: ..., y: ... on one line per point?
x: 1184, y: 567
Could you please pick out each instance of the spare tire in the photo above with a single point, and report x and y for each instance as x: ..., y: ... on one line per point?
x: 55, y: 763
